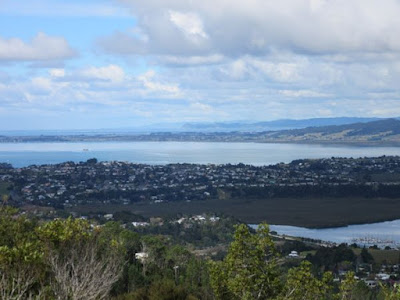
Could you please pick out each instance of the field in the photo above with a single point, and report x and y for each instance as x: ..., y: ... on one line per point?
x: 305, y: 212
x: 383, y: 256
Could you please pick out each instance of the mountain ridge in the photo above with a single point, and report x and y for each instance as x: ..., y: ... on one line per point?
x: 379, y: 132
x: 280, y: 124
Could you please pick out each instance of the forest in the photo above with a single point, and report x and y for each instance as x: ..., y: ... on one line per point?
x: 76, y: 259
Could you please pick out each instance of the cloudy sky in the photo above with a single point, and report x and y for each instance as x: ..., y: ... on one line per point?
x: 123, y: 63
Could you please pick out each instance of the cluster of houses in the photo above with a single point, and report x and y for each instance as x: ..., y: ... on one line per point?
x: 70, y: 183
x: 387, y: 274
x: 366, y: 272
x: 203, y: 218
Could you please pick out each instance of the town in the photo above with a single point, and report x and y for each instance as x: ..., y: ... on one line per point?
x: 69, y: 184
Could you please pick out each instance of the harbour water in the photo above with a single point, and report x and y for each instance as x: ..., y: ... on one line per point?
x: 24, y: 154
x: 381, y: 234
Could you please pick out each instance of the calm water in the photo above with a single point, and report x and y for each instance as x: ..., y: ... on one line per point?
x: 24, y: 154
x: 382, y: 233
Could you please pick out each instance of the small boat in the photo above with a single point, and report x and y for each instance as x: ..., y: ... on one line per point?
x: 85, y: 150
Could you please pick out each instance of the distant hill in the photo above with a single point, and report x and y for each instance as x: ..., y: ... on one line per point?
x: 271, y: 125
x: 205, y: 127
x: 379, y: 132
x: 387, y: 130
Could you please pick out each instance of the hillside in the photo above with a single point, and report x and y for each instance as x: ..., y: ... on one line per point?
x: 381, y: 131
x: 282, y: 124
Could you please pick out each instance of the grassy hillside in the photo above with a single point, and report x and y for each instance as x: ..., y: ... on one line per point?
x: 377, y: 131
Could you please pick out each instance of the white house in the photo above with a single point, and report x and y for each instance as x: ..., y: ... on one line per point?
x: 108, y: 216
x: 140, y: 224
x: 142, y: 256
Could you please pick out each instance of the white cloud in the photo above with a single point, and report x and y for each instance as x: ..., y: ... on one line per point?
x: 41, y: 48
x: 286, y: 71
x: 112, y: 73
x: 278, y: 71
x: 191, y: 60
x: 236, y: 28
x: 205, y: 108
x: 303, y: 94
x: 219, y: 59
x: 57, y: 72
x: 189, y: 23
x: 148, y: 81
x: 43, y: 88
x: 42, y: 83
x: 236, y: 70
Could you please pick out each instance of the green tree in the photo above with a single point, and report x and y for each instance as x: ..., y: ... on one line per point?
x: 301, y: 284
x: 129, y: 244
x: 21, y: 256
x: 164, y: 289
x: 366, y: 256
x: 390, y: 293
x: 348, y: 287
x: 249, y: 270
x: 82, y: 265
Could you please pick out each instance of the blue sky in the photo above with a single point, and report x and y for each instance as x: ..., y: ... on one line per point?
x: 129, y: 63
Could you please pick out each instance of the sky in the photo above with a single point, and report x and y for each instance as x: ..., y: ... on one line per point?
x: 128, y: 63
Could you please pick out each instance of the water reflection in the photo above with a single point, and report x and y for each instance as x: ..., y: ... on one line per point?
x: 24, y: 154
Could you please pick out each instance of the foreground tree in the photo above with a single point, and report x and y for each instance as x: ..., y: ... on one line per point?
x: 21, y: 264
x: 301, y: 284
x: 348, y: 287
x: 15, y: 284
x: 390, y: 293
x: 81, y: 273
x: 249, y: 270
x: 83, y: 267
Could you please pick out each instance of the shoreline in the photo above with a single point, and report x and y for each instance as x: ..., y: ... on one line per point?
x: 338, y: 143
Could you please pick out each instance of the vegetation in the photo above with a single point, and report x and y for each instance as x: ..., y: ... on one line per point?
x: 194, y: 233
x: 306, y: 212
x: 76, y: 259
x: 249, y: 270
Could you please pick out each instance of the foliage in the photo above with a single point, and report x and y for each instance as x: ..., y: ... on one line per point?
x: 82, y: 272
x: 366, y: 256
x: 348, y: 287
x: 21, y: 255
x: 391, y: 293
x: 73, y: 259
x: 330, y: 258
x: 58, y: 234
x: 198, y: 234
x: 250, y: 269
x: 160, y: 290
x: 63, y: 258
x: 298, y: 246
x: 301, y: 284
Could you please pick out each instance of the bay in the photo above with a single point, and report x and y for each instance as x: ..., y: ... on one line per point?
x: 381, y: 234
x: 25, y: 154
